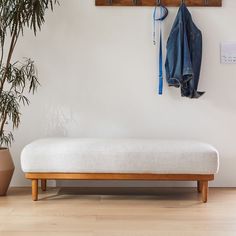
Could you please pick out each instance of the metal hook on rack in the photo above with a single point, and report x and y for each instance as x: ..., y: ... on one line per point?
x: 182, y: 1
x: 158, y: 2
x: 135, y: 2
x: 206, y: 2
x: 109, y: 2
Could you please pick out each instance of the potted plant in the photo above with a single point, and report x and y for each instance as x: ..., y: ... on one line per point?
x: 17, y: 78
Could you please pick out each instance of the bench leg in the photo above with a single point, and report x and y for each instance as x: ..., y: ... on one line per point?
x: 34, y: 189
x: 204, y: 191
x: 43, y: 184
x: 199, y: 186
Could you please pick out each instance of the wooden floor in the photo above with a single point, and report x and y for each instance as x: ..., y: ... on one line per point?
x: 164, y: 212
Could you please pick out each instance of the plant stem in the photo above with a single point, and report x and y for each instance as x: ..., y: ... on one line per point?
x: 11, y: 49
x: 2, y: 51
x: 12, y: 46
x: 3, y: 123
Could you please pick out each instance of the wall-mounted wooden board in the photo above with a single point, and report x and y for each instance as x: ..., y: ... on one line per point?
x: 175, y: 3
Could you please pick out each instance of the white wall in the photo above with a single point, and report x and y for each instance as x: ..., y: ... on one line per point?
x: 97, y: 70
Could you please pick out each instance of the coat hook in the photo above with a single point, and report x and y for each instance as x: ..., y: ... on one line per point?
x: 182, y: 1
x: 109, y: 2
x: 135, y: 2
x: 206, y: 2
x: 158, y: 2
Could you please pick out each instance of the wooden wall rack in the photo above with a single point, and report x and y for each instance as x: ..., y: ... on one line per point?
x: 173, y: 3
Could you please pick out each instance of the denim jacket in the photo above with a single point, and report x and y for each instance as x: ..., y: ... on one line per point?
x: 184, y: 55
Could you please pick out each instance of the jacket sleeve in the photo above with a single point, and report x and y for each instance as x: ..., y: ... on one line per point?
x: 178, y: 63
x: 187, y: 69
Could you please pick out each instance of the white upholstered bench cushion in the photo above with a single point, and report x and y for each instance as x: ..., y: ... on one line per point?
x: 119, y: 156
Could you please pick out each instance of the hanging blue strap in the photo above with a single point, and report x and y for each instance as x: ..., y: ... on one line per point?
x: 162, y: 16
x: 160, y: 65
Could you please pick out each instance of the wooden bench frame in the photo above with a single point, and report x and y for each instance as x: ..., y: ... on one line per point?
x: 202, y: 180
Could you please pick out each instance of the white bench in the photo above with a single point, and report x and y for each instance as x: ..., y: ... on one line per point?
x: 119, y: 159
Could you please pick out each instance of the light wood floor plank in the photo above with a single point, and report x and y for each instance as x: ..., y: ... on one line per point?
x: 146, y: 212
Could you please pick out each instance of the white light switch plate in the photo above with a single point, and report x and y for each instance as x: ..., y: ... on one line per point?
x: 228, y: 53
